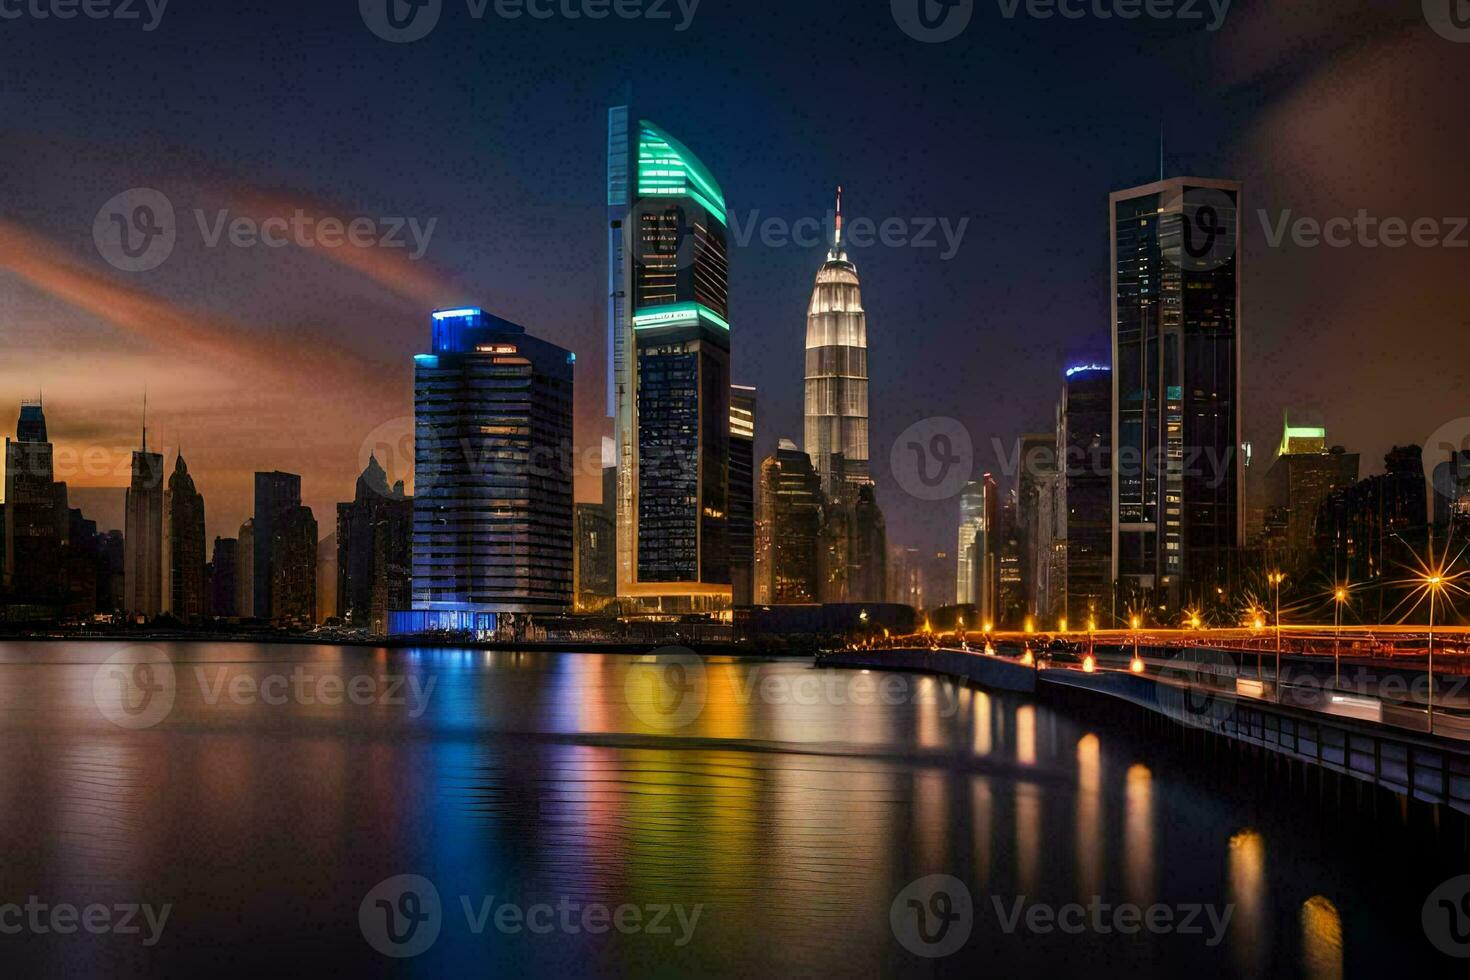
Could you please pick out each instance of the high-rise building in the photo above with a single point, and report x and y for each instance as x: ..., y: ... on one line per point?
x: 595, y: 558
x: 1085, y: 418
x: 222, y: 582
x: 183, y: 515
x: 36, y: 516
x: 669, y: 341
x: 837, y: 374
x: 1301, y: 477
x: 293, y: 567
x: 791, y: 506
x: 492, y: 506
x: 1178, y: 506
x: 1369, y: 533
x: 977, y: 578
x: 906, y: 576
x: 374, y: 551
x: 276, y: 496
x: 245, y: 571
x: 742, y: 494
x: 1011, y: 608
x: 1035, y: 484
x: 143, y: 542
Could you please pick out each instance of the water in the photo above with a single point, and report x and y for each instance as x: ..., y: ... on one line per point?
x: 774, y: 828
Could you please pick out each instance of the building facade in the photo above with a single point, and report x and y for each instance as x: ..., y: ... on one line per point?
x: 1084, y: 441
x: 143, y: 541
x: 277, y: 495
x: 791, y: 505
x: 836, y: 404
x: 742, y: 494
x: 374, y: 551
x: 183, y: 509
x: 492, y: 506
x: 36, y: 519
x: 669, y: 343
x: 1178, y: 509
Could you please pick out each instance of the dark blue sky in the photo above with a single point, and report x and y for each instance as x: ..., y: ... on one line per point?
x: 496, y: 129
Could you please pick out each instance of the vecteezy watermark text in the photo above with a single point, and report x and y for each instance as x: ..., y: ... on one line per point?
x: 403, y: 916
x: 123, y: 10
x: 811, y: 232
x: 937, y: 21
x: 1363, y: 230
x: 406, y: 21
x: 64, y: 919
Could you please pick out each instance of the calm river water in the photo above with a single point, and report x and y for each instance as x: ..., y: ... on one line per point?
x: 197, y: 809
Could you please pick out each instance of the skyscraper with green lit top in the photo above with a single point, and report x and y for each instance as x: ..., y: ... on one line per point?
x: 669, y: 340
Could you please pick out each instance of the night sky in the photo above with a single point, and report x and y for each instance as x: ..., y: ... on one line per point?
x: 295, y: 358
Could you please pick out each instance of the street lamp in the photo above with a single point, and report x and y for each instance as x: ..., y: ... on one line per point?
x: 1276, y: 579
x: 1341, y: 596
x: 1136, y: 666
x: 1435, y: 581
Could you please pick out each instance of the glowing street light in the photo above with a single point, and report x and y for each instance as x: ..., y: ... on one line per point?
x: 1341, y: 597
x: 1136, y: 664
x: 1436, y: 582
x: 1276, y: 579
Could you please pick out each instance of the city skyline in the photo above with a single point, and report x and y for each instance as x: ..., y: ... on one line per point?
x: 206, y: 306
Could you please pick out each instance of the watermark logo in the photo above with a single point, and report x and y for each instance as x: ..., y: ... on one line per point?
x: 945, y: 235
x: 135, y: 688
x: 1204, y: 221
x: 395, y: 445
x: 933, y: 916
x: 136, y: 231
x: 120, y: 10
x: 933, y: 21
x: 1440, y: 467
x: 401, y: 917
x: 401, y: 21
x: 1450, y: 19
x: 668, y: 688
x: 933, y: 458
x: 1446, y: 917
x: 1198, y: 677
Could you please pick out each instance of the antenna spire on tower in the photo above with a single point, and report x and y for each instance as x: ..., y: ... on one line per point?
x: 145, y: 419
x: 838, y: 239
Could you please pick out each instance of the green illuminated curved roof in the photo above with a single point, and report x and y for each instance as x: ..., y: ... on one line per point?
x: 667, y: 168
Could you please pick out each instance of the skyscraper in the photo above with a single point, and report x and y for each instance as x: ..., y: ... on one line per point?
x: 245, y: 571
x: 791, y: 506
x: 1301, y: 477
x: 276, y: 496
x: 184, y: 519
x: 1084, y: 440
x: 594, y: 559
x: 222, y: 583
x: 293, y: 567
x: 36, y: 519
x: 374, y: 551
x: 143, y: 557
x: 669, y: 340
x: 1178, y: 518
x: 742, y: 494
x: 492, y: 506
x: 837, y: 373
x: 977, y: 579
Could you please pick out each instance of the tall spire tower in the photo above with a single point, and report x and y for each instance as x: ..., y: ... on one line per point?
x: 837, y: 373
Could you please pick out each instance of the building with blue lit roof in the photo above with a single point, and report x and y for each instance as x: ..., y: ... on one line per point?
x: 492, y: 505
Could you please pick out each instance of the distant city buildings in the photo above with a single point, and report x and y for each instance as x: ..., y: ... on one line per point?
x: 1301, y: 477
x: 742, y: 494
x: 277, y: 495
x: 492, y: 505
x: 792, y: 508
x: 374, y: 551
x: 1452, y: 490
x: 669, y: 338
x: 223, y: 567
x: 293, y: 567
x: 1178, y: 520
x: 595, y: 556
x: 183, y: 534
x: 36, y: 517
x: 1368, y: 533
x: 978, y: 573
x: 143, y: 541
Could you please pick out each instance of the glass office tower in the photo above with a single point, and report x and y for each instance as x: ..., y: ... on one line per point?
x: 669, y: 338
x: 492, y: 505
x: 1178, y: 518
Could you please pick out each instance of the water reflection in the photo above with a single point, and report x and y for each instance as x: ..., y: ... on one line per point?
x: 1248, y: 893
x: 793, y: 805
x: 1321, y: 939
